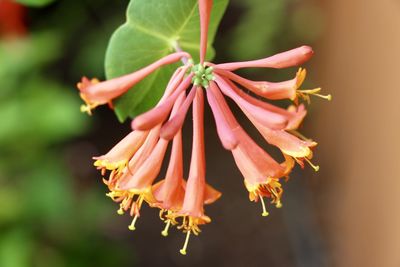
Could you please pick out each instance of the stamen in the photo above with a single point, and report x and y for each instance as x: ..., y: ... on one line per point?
x: 265, y: 212
x: 183, y: 250
x: 305, y: 94
x: 165, y: 231
x: 327, y: 97
x: 278, y: 204
x: 315, y: 167
x: 132, y: 225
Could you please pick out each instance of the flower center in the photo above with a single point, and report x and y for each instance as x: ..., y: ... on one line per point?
x: 202, y: 75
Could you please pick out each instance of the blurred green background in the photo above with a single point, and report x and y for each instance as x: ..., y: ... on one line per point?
x: 53, y: 209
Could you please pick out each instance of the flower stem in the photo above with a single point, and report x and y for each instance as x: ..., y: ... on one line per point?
x: 178, y: 48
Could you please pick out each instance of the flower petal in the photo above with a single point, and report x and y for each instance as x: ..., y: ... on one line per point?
x: 227, y: 137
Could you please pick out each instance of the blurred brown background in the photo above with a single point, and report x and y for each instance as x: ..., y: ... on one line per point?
x: 359, y: 132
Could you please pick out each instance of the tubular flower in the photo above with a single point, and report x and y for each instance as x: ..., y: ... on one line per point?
x: 192, y: 209
x: 134, y: 164
x: 96, y: 93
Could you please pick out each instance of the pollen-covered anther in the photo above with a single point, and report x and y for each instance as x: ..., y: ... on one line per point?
x: 120, y: 211
x: 315, y: 167
x: 86, y: 109
x: 202, y: 75
x: 167, y: 225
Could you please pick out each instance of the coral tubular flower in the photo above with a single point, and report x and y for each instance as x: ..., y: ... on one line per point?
x: 96, y: 93
x: 205, y: 7
x: 141, y: 172
x: 294, y: 115
x: 125, y: 197
x: 225, y: 133
x: 169, y: 192
x: 288, y: 143
x: 118, y: 156
x: 261, y: 171
x: 291, y: 58
x: 268, y: 117
x: 172, y: 126
x: 134, y: 164
x: 270, y: 90
x: 192, y: 209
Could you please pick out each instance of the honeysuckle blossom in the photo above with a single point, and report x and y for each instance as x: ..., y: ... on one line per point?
x: 96, y: 93
x: 135, y: 162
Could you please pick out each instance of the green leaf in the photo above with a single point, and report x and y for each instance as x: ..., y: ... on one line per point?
x: 35, y: 3
x: 152, y: 29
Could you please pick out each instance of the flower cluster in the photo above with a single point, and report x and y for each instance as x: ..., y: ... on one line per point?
x: 135, y: 162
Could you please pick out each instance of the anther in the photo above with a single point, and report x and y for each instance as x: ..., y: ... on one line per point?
x: 183, y: 250
x: 315, y: 167
x: 86, y: 109
x: 132, y: 225
x: 278, y: 204
x: 265, y: 212
x: 120, y: 211
x: 165, y: 231
x: 327, y: 97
